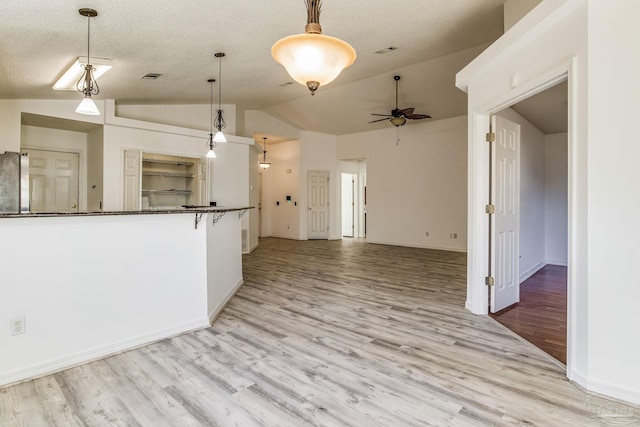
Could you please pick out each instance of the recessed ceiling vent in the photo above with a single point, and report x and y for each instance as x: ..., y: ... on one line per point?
x: 285, y: 84
x: 150, y: 76
x: 386, y: 50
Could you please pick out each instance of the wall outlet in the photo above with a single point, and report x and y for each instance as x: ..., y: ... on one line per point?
x: 453, y: 235
x: 426, y: 234
x: 17, y: 325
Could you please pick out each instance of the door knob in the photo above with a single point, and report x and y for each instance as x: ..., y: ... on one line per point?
x: 73, y: 206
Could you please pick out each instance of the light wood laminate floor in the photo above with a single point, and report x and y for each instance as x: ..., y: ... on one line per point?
x: 323, y: 333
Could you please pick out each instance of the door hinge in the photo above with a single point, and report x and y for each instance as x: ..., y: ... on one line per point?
x: 491, y: 137
x: 490, y: 209
x: 489, y: 281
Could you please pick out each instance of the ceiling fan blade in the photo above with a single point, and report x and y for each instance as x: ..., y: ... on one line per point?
x: 417, y: 116
x: 379, y: 120
x: 385, y: 115
x: 406, y: 111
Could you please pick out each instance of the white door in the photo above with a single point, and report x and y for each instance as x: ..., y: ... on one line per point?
x: 348, y: 183
x: 506, y: 185
x: 53, y: 181
x: 132, y: 178
x: 318, y: 227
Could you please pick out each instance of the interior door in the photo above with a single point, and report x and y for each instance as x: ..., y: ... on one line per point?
x: 318, y: 227
x: 132, y: 179
x: 347, y: 204
x: 506, y: 182
x: 53, y: 181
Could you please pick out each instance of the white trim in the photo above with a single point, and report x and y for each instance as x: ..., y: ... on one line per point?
x: 220, y: 307
x: 627, y: 395
x: 477, y: 298
x: 57, y: 365
x: 411, y: 245
x: 533, y: 270
x: 561, y: 263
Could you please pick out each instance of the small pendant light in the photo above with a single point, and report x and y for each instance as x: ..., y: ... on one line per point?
x: 264, y: 164
x: 219, y: 121
x: 87, y: 83
x: 211, y: 143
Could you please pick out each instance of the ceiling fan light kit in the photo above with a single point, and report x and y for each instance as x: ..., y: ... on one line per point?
x: 313, y: 59
x: 398, y: 117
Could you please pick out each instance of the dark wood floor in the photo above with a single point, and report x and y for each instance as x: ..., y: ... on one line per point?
x: 541, y: 315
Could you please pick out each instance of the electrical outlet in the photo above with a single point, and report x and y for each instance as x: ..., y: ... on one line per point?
x: 426, y: 234
x: 17, y: 325
x: 453, y: 235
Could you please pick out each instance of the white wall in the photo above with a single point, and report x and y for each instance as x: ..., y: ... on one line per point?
x: 603, y: 154
x: 613, y: 207
x: 318, y: 153
x: 416, y: 186
x: 192, y: 116
x: 100, y: 285
x: 280, y: 180
x: 12, y: 109
x: 532, y: 194
x: 556, y: 198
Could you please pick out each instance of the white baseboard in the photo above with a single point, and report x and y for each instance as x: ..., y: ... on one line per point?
x: 80, y: 358
x: 605, y: 389
x: 412, y: 245
x: 530, y: 272
x: 216, y: 312
x: 562, y: 263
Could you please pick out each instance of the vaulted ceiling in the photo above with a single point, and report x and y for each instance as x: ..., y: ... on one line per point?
x: 39, y: 39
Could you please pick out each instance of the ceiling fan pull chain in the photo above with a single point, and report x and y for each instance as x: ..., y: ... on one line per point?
x: 397, y: 135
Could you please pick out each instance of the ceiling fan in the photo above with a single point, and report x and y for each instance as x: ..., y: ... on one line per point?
x: 398, y: 117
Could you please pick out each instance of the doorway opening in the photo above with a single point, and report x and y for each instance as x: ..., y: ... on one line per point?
x: 538, y: 250
x: 352, y: 209
x: 348, y: 185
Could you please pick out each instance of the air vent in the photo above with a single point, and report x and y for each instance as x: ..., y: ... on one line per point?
x: 150, y: 76
x: 285, y: 84
x: 385, y: 50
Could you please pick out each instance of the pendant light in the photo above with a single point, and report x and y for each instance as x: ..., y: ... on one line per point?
x: 219, y: 121
x: 211, y: 143
x: 313, y: 59
x: 264, y: 164
x: 87, y: 83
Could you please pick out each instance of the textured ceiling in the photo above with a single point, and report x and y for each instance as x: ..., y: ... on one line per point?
x: 40, y: 38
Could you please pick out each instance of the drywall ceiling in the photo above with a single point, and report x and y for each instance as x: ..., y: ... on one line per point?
x: 39, y: 39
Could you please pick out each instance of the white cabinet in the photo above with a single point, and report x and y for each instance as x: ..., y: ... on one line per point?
x: 161, y: 182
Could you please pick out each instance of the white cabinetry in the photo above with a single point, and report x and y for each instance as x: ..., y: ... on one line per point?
x: 160, y: 181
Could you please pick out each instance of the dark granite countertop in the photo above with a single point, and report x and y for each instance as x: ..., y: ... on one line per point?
x: 190, y: 209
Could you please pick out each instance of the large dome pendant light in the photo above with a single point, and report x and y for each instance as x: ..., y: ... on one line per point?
x: 219, y: 121
x: 211, y: 143
x: 87, y: 83
x: 313, y: 59
x: 264, y: 164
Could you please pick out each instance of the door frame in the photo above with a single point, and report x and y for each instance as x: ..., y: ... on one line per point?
x: 478, y: 183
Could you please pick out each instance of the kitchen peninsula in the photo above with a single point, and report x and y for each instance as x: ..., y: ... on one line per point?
x: 90, y: 284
